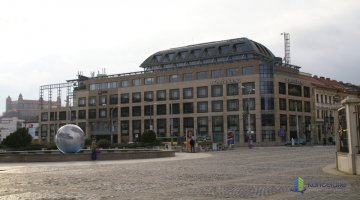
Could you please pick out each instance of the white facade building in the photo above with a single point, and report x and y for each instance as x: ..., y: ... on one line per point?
x: 9, y: 125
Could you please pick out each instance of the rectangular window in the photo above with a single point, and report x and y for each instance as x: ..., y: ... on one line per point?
x: 113, y: 112
x: 307, y: 107
x: 248, y: 88
x: 216, y: 90
x: 102, y: 100
x: 248, y: 70
x: 124, y: 124
x: 203, y: 126
x: 174, y: 94
x: 124, y: 112
x: 268, y: 136
x: 161, y: 109
x: 125, y: 83
x: 124, y: 98
x: 232, y: 89
x: 217, y: 106
x: 82, y: 114
x: 267, y: 120
x: 283, y: 121
x: 202, y: 107
x: 149, y: 110
x: 295, y: 105
x: 232, y: 72
x: 174, y: 78
x: 62, y: 115
x: 149, y: 96
x: 44, y: 116
x: 92, y: 113
x: 92, y: 101
x: 217, y: 123
x: 201, y: 75
x: 233, y: 105
x: 306, y: 92
x: 267, y: 103
x: 249, y: 103
x: 188, y: 123
x: 161, y: 127
x: 136, y: 82
x: 187, y: 93
x: 114, y: 99
x: 282, y: 104
x: 294, y: 90
x: 136, y: 128
x: 233, y: 123
x: 282, y: 88
x: 266, y: 71
x: 188, y: 77
x: 202, y: 92
x: 82, y: 102
x: 136, y: 111
x: 136, y: 97
x: 149, y: 81
x: 216, y: 74
x: 266, y: 87
x: 161, y: 79
x: 161, y: 95
x: 175, y: 108
x: 188, y: 108
x: 102, y: 113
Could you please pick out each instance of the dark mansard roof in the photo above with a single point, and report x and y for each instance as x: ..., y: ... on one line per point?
x: 224, y: 51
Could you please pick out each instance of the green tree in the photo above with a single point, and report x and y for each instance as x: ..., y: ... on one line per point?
x: 104, y: 143
x: 148, y: 137
x: 19, y: 138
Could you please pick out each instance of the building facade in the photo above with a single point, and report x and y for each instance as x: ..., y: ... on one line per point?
x: 25, y: 109
x: 233, y: 86
x: 9, y: 125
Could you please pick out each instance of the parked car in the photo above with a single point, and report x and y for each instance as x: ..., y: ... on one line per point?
x: 301, y: 141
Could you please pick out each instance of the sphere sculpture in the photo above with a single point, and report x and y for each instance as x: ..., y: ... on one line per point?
x: 70, y: 138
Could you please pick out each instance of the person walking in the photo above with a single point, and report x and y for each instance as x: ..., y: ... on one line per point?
x: 192, y: 145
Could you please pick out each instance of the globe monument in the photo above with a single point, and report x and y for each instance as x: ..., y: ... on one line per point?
x: 70, y: 138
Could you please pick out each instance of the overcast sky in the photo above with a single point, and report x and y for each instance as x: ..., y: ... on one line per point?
x: 49, y: 41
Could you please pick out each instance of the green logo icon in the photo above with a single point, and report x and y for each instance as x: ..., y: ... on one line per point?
x: 298, y: 185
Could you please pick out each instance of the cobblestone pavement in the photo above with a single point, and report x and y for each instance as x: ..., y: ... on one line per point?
x: 259, y: 173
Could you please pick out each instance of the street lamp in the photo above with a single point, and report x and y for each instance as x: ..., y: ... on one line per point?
x: 249, y: 90
x: 297, y: 122
x: 112, y: 125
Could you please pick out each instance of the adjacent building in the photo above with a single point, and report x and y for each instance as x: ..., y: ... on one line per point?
x: 9, y: 125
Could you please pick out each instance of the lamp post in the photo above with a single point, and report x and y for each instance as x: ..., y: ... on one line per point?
x: 297, y: 123
x: 112, y: 125
x: 250, y: 142
x: 171, y: 124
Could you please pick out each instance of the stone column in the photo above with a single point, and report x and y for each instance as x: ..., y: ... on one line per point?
x: 351, y: 123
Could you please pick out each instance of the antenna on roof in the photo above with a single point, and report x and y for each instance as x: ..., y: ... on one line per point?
x: 287, y: 47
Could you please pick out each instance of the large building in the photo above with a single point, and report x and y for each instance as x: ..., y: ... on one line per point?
x: 233, y: 86
x: 24, y: 109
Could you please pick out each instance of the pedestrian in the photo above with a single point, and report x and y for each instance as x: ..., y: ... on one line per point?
x: 93, y: 150
x: 192, y: 145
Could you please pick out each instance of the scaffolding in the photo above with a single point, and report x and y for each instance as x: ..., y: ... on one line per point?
x: 58, y: 88
x: 286, y: 47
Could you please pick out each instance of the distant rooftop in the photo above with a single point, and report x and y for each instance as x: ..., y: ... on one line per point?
x: 209, y: 53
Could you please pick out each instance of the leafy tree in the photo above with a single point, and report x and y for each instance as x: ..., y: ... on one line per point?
x: 148, y: 137
x: 17, y: 139
x: 104, y: 143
